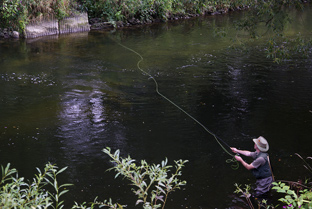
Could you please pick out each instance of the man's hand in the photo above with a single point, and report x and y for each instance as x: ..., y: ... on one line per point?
x: 238, y: 158
x: 234, y: 149
x: 246, y: 165
x: 243, y: 152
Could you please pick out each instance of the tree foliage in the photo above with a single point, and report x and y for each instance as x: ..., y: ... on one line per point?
x: 268, y: 19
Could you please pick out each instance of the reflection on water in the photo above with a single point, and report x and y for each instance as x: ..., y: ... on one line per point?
x: 63, y: 99
x: 88, y: 116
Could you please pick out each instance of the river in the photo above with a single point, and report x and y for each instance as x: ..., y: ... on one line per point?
x: 65, y: 98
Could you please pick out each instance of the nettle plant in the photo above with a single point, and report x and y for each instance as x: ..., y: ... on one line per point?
x: 152, y: 183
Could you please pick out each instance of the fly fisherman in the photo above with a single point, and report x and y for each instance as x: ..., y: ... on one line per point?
x: 260, y: 167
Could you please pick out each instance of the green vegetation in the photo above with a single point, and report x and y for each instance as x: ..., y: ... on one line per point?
x: 294, y: 198
x: 17, y: 193
x: 268, y: 19
x: 149, y: 10
x: 297, y: 194
x: 152, y: 183
x: 15, y: 14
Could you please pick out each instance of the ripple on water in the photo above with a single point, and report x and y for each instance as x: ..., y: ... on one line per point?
x: 24, y: 78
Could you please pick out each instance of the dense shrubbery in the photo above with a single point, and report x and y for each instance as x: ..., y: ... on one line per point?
x: 12, y: 14
x: 149, y: 10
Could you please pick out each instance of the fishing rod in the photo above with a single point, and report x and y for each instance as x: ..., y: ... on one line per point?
x: 235, y: 164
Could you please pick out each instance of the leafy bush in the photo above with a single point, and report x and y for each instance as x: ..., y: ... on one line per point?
x: 293, y: 199
x: 12, y: 14
x: 153, y: 184
x: 297, y: 195
x: 17, y: 193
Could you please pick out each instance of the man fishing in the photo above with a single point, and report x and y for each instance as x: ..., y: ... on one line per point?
x: 260, y: 167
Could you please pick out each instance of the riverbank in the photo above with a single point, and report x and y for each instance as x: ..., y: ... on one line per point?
x: 16, y: 15
x: 102, y: 24
x: 112, y: 14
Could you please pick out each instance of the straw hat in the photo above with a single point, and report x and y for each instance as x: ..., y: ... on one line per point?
x: 262, y: 144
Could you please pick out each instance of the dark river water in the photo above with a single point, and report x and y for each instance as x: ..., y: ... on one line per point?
x: 63, y: 99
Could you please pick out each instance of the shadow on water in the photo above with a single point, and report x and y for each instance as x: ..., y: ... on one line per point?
x: 63, y: 99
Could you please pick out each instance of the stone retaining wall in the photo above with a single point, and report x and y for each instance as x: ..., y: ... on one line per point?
x: 51, y: 26
x: 74, y: 24
x: 42, y: 28
x: 78, y: 23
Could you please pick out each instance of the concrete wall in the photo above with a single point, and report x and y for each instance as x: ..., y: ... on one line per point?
x: 50, y: 26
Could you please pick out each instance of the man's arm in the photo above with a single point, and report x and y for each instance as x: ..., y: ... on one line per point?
x: 246, y: 165
x: 243, y: 152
